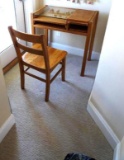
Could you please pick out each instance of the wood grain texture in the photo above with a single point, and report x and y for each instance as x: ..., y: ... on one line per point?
x: 80, y: 22
x: 39, y: 56
x: 55, y: 57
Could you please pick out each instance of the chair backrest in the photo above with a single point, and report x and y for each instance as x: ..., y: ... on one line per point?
x: 17, y: 36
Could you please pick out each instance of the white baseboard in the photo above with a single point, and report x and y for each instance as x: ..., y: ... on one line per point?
x: 72, y: 50
x: 103, y: 125
x: 119, y: 151
x: 116, y: 155
x: 6, y: 127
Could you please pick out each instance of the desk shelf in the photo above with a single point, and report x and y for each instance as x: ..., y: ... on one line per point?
x: 70, y: 28
x: 49, y: 25
x: 82, y: 29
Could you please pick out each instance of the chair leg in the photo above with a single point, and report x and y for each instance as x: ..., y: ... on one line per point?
x: 63, y: 69
x: 47, y: 88
x: 22, y: 78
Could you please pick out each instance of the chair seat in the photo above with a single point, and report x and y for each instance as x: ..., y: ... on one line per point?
x: 55, y: 56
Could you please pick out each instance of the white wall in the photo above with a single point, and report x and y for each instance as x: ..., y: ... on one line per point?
x: 29, y: 7
x: 107, y: 97
x: 4, y: 103
x: 103, y: 6
x: 6, y: 117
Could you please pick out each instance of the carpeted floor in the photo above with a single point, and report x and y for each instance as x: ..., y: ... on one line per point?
x: 48, y: 131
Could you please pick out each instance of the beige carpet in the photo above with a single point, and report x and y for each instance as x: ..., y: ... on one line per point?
x: 48, y: 131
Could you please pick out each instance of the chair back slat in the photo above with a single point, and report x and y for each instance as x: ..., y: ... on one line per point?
x: 30, y: 50
x: 29, y: 38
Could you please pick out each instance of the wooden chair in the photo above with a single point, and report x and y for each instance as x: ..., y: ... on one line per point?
x: 38, y: 56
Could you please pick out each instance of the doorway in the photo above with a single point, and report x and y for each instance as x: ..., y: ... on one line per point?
x: 6, y: 21
x: 11, y: 13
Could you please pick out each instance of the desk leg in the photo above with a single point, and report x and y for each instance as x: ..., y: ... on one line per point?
x: 46, y: 35
x: 92, y: 37
x: 86, y: 50
x: 32, y: 24
x: 33, y: 30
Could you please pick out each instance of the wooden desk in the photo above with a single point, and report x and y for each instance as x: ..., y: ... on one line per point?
x: 76, y: 21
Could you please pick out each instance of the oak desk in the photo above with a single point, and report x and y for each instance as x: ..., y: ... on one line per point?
x: 76, y: 21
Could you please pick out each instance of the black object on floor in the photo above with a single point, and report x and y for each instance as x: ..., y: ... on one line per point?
x: 77, y: 156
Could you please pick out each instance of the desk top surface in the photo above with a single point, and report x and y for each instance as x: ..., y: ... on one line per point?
x: 58, y: 12
x: 68, y: 14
